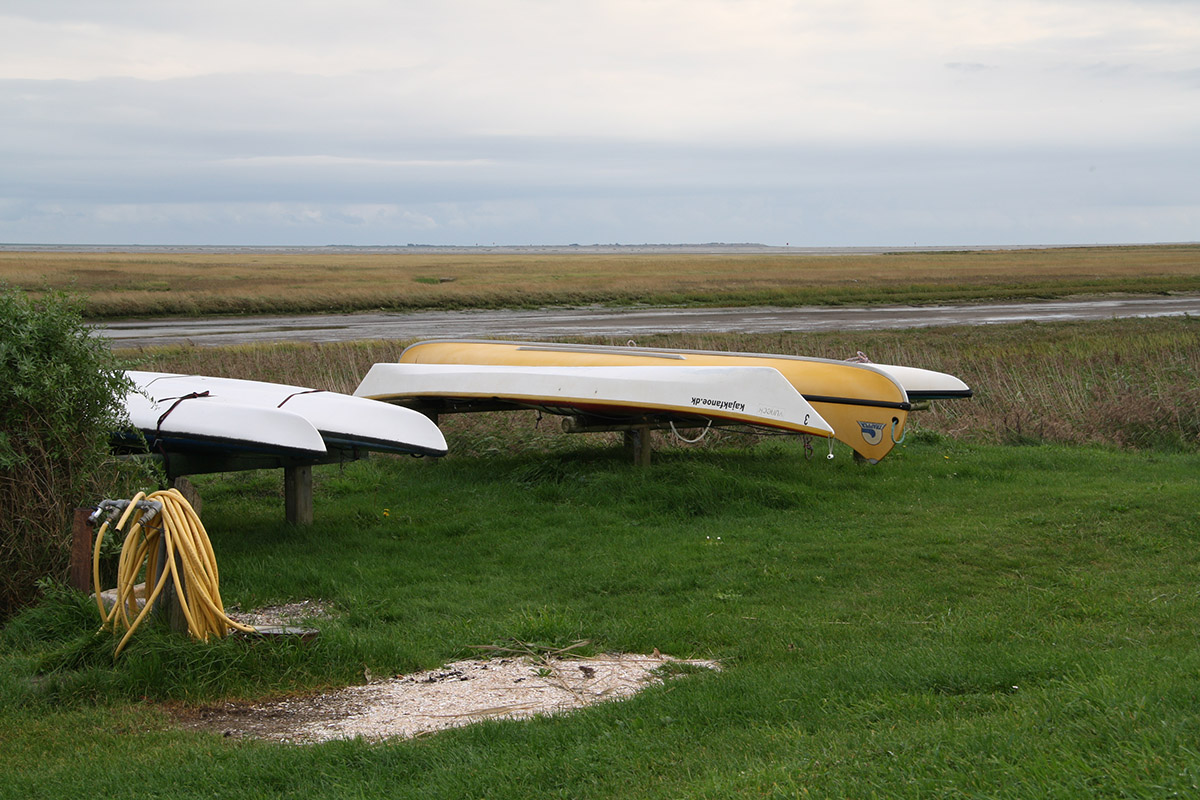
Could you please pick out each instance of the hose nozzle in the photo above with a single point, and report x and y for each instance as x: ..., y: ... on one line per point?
x: 149, y: 508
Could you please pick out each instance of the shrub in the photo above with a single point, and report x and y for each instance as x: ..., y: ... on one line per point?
x: 60, y: 398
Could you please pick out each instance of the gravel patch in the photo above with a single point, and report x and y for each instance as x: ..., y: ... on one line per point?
x: 510, y: 685
x: 456, y: 694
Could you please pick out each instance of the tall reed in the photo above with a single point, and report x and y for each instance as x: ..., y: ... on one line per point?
x: 1127, y: 383
x: 155, y: 284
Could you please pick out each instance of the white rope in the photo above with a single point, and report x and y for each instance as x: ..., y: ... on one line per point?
x: 683, y: 438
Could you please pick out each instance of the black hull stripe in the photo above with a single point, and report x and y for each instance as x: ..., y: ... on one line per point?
x: 354, y: 442
x: 935, y: 395
x: 857, y: 401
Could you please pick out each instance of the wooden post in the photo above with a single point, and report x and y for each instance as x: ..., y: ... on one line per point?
x: 167, y: 605
x: 80, y: 574
x: 298, y: 494
x: 433, y: 417
x: 189, y: 492
x: 637, y: 443
x: 646, y: 447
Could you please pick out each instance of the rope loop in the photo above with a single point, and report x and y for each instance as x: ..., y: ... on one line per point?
x: 683, y: 438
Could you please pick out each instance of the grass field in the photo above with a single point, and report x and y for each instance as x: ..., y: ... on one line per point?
x: 1005, y: 607
x: 143, y: 284
x: 960, y: 620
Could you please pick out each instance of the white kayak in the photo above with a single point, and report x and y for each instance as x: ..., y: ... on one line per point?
x: 925, y: 384
x: 219, y: 409
x: 203, y: 425
x: 721, y: 395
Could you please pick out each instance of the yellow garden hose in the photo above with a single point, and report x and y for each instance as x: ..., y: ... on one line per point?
x: 167, y: 523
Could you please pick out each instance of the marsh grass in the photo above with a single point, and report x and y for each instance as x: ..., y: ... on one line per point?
x: 146, y: 284
x: 1131, y: 382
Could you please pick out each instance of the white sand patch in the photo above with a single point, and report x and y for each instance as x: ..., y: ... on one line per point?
x: 456, y: 694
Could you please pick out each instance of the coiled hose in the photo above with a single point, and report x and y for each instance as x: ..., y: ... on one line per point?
x: 177, y: 532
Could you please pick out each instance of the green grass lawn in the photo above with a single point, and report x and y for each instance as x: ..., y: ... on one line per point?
x: 959, y: 620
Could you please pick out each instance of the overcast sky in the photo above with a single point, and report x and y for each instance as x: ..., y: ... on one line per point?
x: 813, y: 123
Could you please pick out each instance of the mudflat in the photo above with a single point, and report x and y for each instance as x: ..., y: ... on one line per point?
x: 551, y: 323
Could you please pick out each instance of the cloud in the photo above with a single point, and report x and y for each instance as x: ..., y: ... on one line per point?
x: 971, y: 66
x: 386, y: 119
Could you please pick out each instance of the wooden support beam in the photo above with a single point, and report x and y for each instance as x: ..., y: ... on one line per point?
x: 80, y: 575
x: 580, y: 424
x: 433, y: 417
x: 298, y: 494
x: 167, y: 607
x: 637, y: 443
x: 189, y: 492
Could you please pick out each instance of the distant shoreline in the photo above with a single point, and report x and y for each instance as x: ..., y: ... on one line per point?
x: 711, y: 248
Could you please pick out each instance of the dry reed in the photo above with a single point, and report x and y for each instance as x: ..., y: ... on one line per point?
x: 137, y: 284
x: 1126, y: 383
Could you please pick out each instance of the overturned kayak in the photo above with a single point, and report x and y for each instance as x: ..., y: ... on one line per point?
x: 759, y: 397
x: 923, y: 385
x: 201, y: 425
x: 205, y: 423
x: 866, y: 407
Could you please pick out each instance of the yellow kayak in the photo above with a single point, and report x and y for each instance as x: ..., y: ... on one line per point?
x: 866, y: 407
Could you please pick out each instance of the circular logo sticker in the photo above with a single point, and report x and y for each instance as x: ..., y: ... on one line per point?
x: 872, y: 432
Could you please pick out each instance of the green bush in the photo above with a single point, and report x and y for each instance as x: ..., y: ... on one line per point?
x: 60, y: 398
